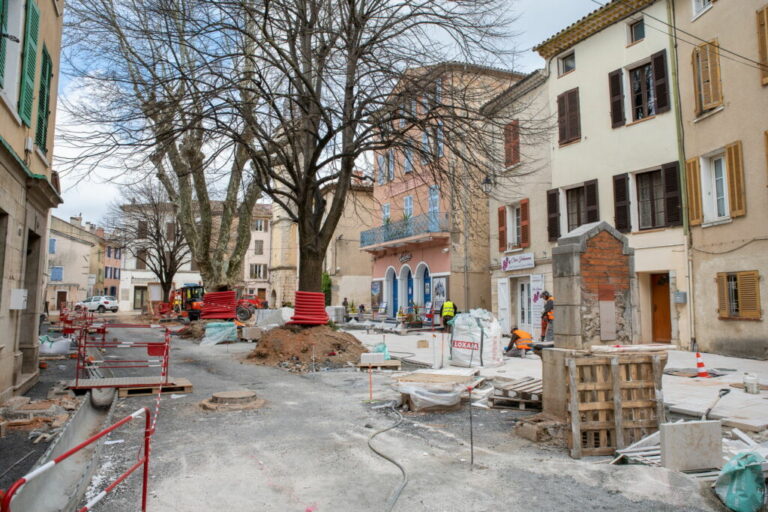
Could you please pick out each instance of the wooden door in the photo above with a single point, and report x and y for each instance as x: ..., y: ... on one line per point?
x: 139, y: 297
x: 662, y: 321
x: 61, y: 301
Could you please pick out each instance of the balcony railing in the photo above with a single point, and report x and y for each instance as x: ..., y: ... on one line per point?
x: 424, y: 224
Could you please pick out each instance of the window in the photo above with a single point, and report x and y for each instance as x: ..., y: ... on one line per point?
x: 170, y: 231
x: 57, y: 274
x: 716, y: 186
x: 117, y: 253
x: 637, y: 31
x: 258, y: 247
x: 512, y: 143
x: 258, y: 271
x: 643, y: 98
x: 569, y: 124
x: 514, y: 230
x: 408, y: 207
x: 380, y: 163
x: 260, y: 225
x: 650, y: 199
x: 408, y: 160
x: 385, y: 213
x: 738, y: 295
x: 44, y: 102
x: 708, y: 90
x: 762, y: 42
x: 51, y: 245
x: 391, y: 165
x: 425, y: 150
x: 439, y: 139
x: 700, y: 5
x: 142, y: 230
x: 141, y: 259
x: 29, y: 61
x: 107, y: 272
x: 116, y: 273
x: 567, y: 63
x: 715, y: 189
x: 109, y: 252
x: 577, y: 207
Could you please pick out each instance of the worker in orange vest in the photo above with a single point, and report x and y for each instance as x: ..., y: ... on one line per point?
x: 548, y: 317
x: 520, y: 343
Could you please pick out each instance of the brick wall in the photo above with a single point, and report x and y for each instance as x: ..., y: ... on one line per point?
x: 604, y: 269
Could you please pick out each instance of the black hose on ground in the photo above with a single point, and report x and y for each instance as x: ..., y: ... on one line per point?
x: 396, y: 493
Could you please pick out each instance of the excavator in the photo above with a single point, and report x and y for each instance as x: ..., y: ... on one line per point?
x: 188, y: 301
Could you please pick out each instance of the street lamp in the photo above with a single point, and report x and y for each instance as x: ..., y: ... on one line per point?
x: 487, y: 185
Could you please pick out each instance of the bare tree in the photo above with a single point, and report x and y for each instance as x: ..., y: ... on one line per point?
x: 143, y: 222
x: 284, y: 97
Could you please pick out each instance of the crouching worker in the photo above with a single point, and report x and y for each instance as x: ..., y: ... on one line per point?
x: 520, y: 343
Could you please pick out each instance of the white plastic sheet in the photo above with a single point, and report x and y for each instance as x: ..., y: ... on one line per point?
x: 50, y: 346
x: 476, y: 339
x: 219, y: 332
x: 424, y: 396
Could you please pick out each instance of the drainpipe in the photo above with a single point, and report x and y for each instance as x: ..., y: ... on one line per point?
x: 676, y: 99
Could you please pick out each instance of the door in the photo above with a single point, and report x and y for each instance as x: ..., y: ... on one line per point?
x: 427, y: 287
x: 434, y: 208
x: 503, y: 289
x: 394, y: 298
x: 61, y: 301
x: 139, y: 297
x: 262, y: 294
x: 660, y: 307
x: 524, y: 320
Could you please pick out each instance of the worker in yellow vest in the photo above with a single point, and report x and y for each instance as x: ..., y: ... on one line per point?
x: 520, y: 343
x: 447, y: 312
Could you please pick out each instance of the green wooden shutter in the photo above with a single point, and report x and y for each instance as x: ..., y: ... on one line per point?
x: 29, y: 62
x: 3, y: 40
x: 44, y: 102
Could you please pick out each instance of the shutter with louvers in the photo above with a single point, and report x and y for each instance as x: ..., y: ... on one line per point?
x: 51, y: 246
x: 44, y: 102
x: 562, y: 118
x: 621, y: 203
x: 748, y: 284
x: 707, y: 75
x: 735, y: 170
x: 722, y: 295
x: 502, y: 228
x: 525, y: 224
x: 693, y: 181
x: 660, y: 81
x: 592, y: 200
x: 616, y: 90
x: 57, y: 273
x: 553, y: 214
x: 574, y: 119
x: 762, y: 42
x: 3, y: 40
x: 672, y: 201
x: 29, y: 62
x: 511, y: 143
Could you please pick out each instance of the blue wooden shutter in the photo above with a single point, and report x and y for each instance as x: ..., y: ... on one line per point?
x: 57, y: 273
x: 44, y: 102
x: 51, y: 246
x: 29, y: 62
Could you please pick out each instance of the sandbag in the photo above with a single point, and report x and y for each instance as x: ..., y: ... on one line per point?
x: 476, y: 339
x: 741, y: 485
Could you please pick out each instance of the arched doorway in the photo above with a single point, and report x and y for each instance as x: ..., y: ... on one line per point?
x: 422, y: 285
x: 390, y: 291
x: 406, y: 288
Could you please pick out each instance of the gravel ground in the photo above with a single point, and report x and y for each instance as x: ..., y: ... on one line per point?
x: 306, y: 450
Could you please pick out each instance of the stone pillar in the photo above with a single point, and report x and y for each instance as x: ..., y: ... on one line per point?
x: 594, y: 288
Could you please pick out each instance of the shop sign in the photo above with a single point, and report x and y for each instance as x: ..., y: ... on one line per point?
x: 405, y: 257
x: 518, y: 261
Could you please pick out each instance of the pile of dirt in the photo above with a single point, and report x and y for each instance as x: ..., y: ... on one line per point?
x: 292, y: 348
x: 194, y: 331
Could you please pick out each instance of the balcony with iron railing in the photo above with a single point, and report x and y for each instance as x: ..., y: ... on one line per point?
x: 414, y: 229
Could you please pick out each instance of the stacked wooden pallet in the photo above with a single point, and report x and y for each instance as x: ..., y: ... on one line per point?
x: 521, y: 394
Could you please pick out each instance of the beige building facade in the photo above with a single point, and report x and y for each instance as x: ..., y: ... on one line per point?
x: 724, y: 104
x: 28, y: 185
x: 256, y: 259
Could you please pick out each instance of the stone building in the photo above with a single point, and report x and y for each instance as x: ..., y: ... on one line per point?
x: 256, y: 278
x: 28, y: 185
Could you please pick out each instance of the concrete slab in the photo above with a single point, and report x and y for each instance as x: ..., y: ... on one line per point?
x: 691, y: 445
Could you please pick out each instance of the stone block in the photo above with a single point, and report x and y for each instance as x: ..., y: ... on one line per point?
x: 252, y: 333
x: 566, y: 261
x: 691, y: 445
x: 567, y: 291
x: 554, y: 396
x: 567, y: 319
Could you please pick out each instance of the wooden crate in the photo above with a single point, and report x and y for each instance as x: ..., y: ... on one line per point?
x: 613, y: 401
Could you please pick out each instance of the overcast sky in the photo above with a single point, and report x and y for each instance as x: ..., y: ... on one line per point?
x: 538, y: 19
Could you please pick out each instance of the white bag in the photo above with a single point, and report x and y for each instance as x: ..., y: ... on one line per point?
x: 476, y: 339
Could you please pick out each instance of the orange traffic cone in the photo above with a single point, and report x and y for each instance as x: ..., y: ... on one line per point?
x: 700, y: 366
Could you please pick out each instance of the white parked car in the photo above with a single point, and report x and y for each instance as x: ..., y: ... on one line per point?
x: 99, y: 303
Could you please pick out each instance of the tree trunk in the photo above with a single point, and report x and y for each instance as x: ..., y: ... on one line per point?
x: 310, y: 269
x: 166, y: 287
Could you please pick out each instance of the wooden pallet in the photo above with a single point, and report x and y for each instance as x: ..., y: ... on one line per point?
x: 178, y: 386
x: 526, y: 388
x: 613, y: 401
x: 504, y: 402
x: 135, y: 386
x: 392, y: 364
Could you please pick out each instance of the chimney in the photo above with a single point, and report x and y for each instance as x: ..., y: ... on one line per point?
x: 77, y: 221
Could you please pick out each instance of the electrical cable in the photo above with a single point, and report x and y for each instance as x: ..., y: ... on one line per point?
x: 396, y: 493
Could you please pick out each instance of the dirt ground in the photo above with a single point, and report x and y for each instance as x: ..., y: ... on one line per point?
x: 299, y: 348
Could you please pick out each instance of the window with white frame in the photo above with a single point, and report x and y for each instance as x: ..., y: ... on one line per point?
x: 714, y: 185
x: 514, y: 216
x: 260, y: 225
x: 637, y: 31
x: 643, y: 96
x: 385, y: 213
x: 408, y: 160
x: 258, y: 271
x: 408, y: 207
x: 11, y: 51
x: 650, y: 199
x: 700, y: 5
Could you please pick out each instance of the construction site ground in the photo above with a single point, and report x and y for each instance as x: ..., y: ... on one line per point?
x: 682, y: 395
x: 306, y: 450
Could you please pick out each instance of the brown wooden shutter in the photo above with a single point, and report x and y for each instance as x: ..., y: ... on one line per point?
x: 762, y: 42
x: 693, y: 181
x: 672, y: 201
x: 512, y: 143
x: 695, y: 66
x: 748, y: 284
x: 661, y: 81
x: 708, y: 69
x: 502, y: 228
x: 722, y: 295
x: 525, y: 224
x: 734, y: 163
x: 592, y: 201
x: 170, y: 231
x: 621, y: 203
x: 553, y: 214
x: 574, y: 119
x: 562, y: 118
x: 616, y: 92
